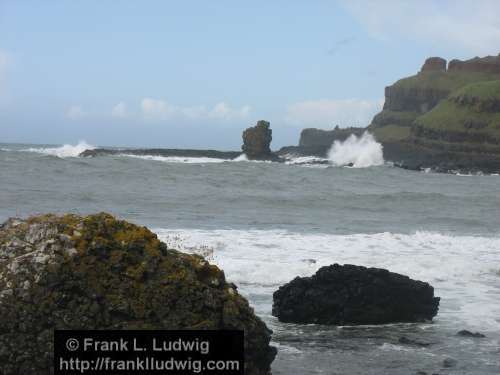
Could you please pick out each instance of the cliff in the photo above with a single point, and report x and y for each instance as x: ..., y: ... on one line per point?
x: 444, y: 117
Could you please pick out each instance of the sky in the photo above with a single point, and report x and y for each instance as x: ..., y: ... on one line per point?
x: 197, y: 73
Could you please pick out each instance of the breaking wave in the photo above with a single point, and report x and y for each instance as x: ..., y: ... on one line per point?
x: 459, y: 267
x: 65, y: 151
x: 176, y: 159
x: 358, y: 152
x: 242, y: 157
x: 191, y: 159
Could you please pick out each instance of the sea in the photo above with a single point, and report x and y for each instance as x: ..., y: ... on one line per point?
x: 265, y: 223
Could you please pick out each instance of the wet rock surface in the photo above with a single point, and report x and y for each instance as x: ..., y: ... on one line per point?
x: 97, y: 272
x: 163, y: 152
x: 354, y: 295
x: 465, y: 333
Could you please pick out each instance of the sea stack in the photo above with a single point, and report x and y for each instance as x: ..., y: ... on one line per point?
x: 98, y: 272
x: 257, y: 141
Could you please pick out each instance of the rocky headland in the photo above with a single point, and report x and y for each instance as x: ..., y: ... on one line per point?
x: 98, y: 272
x: 446, y: 117
x: 355, y: 295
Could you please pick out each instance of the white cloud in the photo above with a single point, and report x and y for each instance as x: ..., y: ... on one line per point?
x: 157, y: 109
x: 472, y: 26
x: 75, y: 112
x: 224, y: 111
x: 119, y: 110
x: 326, y: 113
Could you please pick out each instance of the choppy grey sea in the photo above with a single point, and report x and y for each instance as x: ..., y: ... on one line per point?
x: 265, y: 223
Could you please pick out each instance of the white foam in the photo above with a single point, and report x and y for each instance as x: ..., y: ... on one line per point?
x: 391, y: 347
x: 304, y: 160
x: 361, y: 152
x: 65, y: 151
x: 194, y: 160
x: 189, y: 160
x: 177, y: 159
x: 459, y: 267
x: 242, y: 157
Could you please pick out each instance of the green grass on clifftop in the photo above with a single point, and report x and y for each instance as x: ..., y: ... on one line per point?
x: 444, y: 81
x: 480, y: 90
x: 448, y: 116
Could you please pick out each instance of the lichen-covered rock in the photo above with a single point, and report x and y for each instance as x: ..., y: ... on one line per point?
x: 257, y: 141
x: 351, y: 295
x: 97, y: 272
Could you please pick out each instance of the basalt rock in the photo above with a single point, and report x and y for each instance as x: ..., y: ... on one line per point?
x: 97, y: 272
x: 353, y: 295
x: 487, y: 64
x: 257, y: 141
x: 434, y: 64
x: 444, y: 119
x: 163, y: 152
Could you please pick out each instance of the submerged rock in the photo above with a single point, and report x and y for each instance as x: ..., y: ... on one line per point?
x: 408, y: 341
x: 351, y: 295
x: 97, y: 272
x: 257, y: 141
x: 449, y: 362
x: 465, y: 333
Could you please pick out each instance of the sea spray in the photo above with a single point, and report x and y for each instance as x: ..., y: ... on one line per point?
x: 242, y: 157
x: 65, y: 151
x: 360, y: 152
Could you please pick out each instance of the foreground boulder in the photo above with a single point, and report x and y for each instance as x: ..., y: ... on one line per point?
x: 257, y: 141
x: 97, y: 272
x: 350, y: 295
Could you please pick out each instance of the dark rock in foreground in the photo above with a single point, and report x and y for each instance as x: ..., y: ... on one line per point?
x: 352, y: 295
x: 97, y: 272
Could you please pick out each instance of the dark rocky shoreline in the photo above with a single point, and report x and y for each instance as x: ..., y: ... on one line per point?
x: 164, y: 152
x: 405, y: 156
